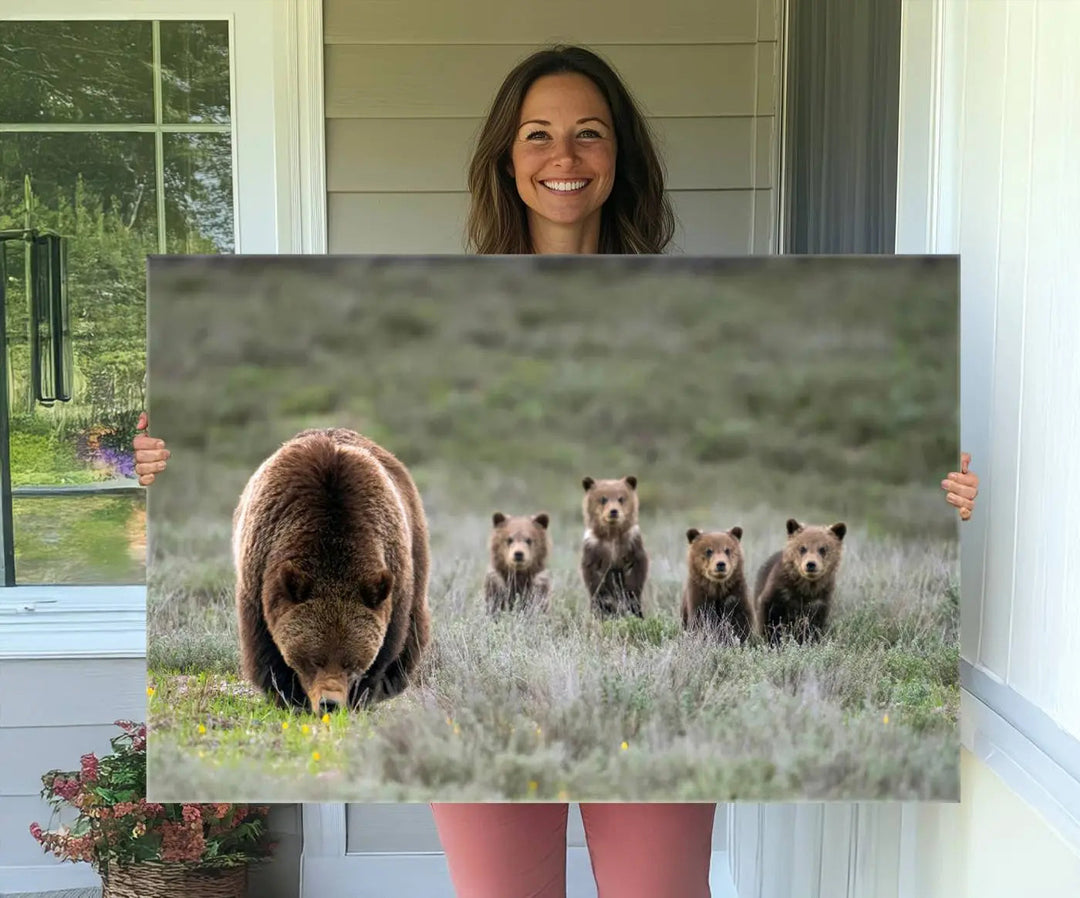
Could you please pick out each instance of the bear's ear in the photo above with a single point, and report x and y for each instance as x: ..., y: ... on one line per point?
x: 736, y: 532
x: 692, y: 534
x: 498, y: 518
x: 839, y: 529
x: 587, y: 482
x: 542, y: 519
x: 295, y: 584
x: 793, y: 526
x: 376, y: 592
x: 632, y: 480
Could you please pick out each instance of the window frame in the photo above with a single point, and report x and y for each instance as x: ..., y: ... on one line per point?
x: 279, y: 207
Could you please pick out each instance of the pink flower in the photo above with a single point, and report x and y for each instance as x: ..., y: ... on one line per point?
x: 35, y: 831
x: 66, y: 788
x: 89, y: 768
x: 150, y: 808
x: 192, y: 814
x: 181, y: 843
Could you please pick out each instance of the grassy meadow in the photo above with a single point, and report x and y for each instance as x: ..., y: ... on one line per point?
x: 738, y: 391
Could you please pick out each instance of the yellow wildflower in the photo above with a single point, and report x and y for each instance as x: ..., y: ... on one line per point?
x: 202, y: 729
x: 624, y: 746
x: 315, y: 756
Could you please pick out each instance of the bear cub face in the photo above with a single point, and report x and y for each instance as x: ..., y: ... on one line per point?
x: 328, y: 631
x: 610, y: 506
x: 715, y: 556
x: 519, y: 544
x: 813, y: 552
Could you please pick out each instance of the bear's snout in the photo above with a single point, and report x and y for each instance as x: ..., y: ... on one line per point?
x: 328, y: 693
x: 519, y: 556
x: 721, y: 566
x: 613, y: 514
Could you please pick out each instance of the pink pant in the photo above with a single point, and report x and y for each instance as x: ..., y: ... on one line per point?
x: 519, y: 850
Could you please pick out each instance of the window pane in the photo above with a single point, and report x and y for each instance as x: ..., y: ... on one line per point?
x: 113, y: 173
x: 198, y: 193
x: 55, y: 72
x: 90, y: 540
x: 195, y: 72
x: 99, y: 191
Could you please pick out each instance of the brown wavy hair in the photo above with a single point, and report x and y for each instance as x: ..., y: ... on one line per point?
x: 637, y: 217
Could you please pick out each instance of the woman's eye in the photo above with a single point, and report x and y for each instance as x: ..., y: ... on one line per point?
x: 589, y: 132
x: 533, y: 134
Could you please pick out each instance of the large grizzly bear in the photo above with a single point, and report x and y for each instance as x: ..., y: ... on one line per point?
x: 517, y: 577
x: 715, y: 591
x: 794, y: 586
x: 614, y: 563
x: 330, y: 546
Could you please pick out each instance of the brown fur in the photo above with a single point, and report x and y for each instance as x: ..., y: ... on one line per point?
x: 791, y: 598
x: 614, y: 563
x: 331, y: 572
x: 517, y: 577
x: 715, y: 591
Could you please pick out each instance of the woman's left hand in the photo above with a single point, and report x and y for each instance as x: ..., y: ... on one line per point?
x: 961, y: 487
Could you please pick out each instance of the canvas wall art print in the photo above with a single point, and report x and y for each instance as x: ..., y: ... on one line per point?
x: 553, y: 528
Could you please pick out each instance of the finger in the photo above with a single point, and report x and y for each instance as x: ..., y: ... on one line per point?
x: 965, y: 479
x: 968, y: 492
x: 148, y: 455
x: 146, y: 479
x: 965, y: 514
x: 959, y: 501
x: 143, y: 422
x: 154, y: 467
x: 965, y: 460
x: 143, y: 442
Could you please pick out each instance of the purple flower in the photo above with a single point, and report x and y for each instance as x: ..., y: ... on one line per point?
x: 117, y: 461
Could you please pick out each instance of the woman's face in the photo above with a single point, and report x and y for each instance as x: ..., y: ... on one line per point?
x: 563, y: 155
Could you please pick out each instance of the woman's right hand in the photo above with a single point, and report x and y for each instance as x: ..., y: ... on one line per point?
x: 150, y: 454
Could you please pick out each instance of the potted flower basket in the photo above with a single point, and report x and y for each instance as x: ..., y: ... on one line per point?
x: 142, y: 848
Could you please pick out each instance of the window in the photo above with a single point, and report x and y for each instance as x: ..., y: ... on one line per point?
x: 118, y: 136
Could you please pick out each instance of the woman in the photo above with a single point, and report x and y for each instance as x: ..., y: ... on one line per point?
x: 565, y: 164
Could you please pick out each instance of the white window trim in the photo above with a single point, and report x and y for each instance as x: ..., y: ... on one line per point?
x: 279, y: 195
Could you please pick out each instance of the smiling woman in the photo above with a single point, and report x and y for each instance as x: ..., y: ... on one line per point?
x: 563, y: 117
x: 563, y: 162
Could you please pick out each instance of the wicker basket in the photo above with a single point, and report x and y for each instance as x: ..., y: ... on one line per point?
x: 153, y: 879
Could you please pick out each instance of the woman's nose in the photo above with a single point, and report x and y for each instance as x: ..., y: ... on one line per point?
x: 564, y: 149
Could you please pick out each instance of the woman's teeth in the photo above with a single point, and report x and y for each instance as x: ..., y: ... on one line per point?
x: 564, y: 186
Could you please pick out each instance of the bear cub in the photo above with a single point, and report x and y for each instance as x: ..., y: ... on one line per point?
x: 715, y: 591
x: 614, y: 563
x: 517, y: 575
x: 794, y: 586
